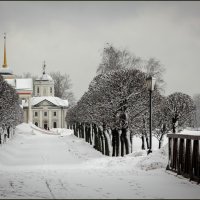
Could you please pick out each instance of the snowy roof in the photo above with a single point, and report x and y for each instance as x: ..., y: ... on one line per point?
x: 54, y: 100
x: 45, y: 77
x: 21, y: 84
x: 6, y: 70
x: 11, y: 82
x: 24, y: 84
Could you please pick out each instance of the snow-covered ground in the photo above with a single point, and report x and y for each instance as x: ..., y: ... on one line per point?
x: 38, y: 165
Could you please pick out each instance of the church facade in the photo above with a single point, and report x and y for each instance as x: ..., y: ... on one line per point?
x: 48, y: 111
x: 41, y: 108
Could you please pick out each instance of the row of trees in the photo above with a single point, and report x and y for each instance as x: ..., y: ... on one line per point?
x: 116, y: 105
x: 196, y: 99
x: 11, y: 114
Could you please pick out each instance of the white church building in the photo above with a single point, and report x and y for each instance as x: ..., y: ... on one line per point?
x: 47, y: 110
x: 41, y: 108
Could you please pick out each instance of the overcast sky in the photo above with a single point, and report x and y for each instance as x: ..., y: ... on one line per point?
x: 70, y: 37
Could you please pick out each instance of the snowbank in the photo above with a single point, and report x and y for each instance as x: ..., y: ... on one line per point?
x: 189, y: 132
x: 157, y: 159
x: 62, y: 131
x: 24, y: 128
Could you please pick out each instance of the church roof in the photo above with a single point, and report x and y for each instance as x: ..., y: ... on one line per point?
x: 54, y: 100
x: 6, y: 70
x: 24, y: 84
x: 45, y: 77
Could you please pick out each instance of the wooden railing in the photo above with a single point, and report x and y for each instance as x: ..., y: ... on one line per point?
x: 184, y: 155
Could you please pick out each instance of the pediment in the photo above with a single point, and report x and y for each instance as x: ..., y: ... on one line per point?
x: 45, y: 103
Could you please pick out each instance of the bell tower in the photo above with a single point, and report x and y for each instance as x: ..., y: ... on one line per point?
x: 5, y: 71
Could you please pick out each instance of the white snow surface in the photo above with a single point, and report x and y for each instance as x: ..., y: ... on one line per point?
x: 190, y: 132
x: 49, y: 166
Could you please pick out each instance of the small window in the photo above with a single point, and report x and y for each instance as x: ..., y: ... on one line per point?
x: 55, y: 125
x: 45, y: 114
x: 54, y: 113
x: 38, y: 90
x: 50, y: 89
x: 36, y: 123
x: 36, y: 114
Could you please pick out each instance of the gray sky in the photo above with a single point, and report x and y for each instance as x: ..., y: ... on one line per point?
x: 70, y: 37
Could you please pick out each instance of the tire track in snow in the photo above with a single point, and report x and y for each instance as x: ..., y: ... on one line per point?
x: 48, y: 186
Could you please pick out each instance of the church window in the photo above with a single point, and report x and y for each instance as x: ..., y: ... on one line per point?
x: 36, y: 114
x: 38, y: 90
x: 55, y: 125
x: 50, y: 89
x: 54, y: 113
x: 45, y: 114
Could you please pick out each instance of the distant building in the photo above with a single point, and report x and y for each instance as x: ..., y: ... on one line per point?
x: 41, y: 108
x: 48, y: 111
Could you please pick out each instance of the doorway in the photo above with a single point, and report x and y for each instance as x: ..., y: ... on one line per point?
x: 45, y: 125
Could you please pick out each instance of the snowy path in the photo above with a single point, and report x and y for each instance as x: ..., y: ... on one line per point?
x: 35, y: 165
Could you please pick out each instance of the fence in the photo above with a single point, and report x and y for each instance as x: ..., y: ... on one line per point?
x: 184, y: 155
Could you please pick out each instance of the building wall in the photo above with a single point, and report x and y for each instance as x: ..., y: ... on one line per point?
x: 43, y: 88
x: 41, y: 119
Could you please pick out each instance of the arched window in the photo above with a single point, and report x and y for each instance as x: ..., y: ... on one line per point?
x: 55, y: 125
x: 38, y: 90
x: 50, y: 89
x: 36, y: 123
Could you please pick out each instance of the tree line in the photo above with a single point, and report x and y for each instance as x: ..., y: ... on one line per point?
x: 116, y: 106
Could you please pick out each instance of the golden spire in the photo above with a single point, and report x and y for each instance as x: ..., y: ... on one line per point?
x: 4, y: 60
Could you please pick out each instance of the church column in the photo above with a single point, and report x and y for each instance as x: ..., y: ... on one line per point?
x: 50, y: 119
x: 41, y: 117
x: 29, y: 110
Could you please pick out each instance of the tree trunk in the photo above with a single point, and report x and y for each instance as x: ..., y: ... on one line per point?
x: 8, y: 132
x: 92, y: 134
x: 84, y: 134
x: 108, y: 146
x: 107, y: 141
x: 143, y: 145
x: 125, y: 141
x: 122, y: 144
x: 147, y: 142
x: 119, y: 143
x: 131, y: 139
x: 95, y: 137
x: 161, y: 141
x: 174, y: 124
x: 114, y: 142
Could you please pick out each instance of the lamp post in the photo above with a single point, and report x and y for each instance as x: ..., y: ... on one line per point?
x: 150, y: 85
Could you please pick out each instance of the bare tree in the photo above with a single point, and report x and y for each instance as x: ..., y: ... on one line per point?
x: 153, y: 67
x: 62, y: 86
x: 180, y: 110
x: 115, y: 59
